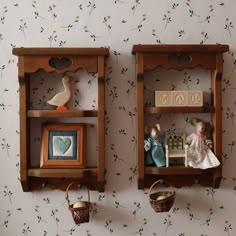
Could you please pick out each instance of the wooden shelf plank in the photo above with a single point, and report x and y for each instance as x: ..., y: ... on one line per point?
x: 61, y: 51
x: 62, y: 173
x: 155, y: 110
x: 175, y: 170
x: 66, y: 113
x: 180, y: 48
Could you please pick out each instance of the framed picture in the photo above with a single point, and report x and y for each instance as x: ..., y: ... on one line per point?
x: 63, y: 146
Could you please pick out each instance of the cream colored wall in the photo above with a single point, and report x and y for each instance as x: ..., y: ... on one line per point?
x: 122, y: 209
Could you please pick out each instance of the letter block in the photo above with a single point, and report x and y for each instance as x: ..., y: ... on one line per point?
x: 195, y: 98
x: 179, y: 98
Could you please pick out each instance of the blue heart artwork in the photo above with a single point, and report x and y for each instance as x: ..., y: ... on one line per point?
x: 62, y: 144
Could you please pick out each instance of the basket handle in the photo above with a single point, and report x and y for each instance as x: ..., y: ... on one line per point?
x: 67, y: 193
x: 161, y: 181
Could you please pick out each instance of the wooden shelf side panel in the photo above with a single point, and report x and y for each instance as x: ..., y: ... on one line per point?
x: 101, y: 125
x: 140, y: 118
x: 24, y: 128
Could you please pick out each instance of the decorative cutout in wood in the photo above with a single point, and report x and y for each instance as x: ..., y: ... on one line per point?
x: 179, y: 59
x: 60, y: 63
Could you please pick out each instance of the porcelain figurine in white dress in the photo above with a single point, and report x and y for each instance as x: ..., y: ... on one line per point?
x: 199, y: 151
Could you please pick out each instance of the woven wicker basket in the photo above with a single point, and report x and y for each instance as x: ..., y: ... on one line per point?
x: 79, y: 214
x: 161, y: 201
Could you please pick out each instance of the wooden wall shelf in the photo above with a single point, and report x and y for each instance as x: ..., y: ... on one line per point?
x: 149, y: 57
x: 31, y: 60
x: 61, y: 113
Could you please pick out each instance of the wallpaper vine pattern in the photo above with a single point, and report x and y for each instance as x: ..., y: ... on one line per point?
x: 117, y: 24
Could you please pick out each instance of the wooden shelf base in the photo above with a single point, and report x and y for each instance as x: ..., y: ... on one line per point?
x: 175, y: 170
x: 39, y: 179
x: 180, y: 176
x: 62, y: 173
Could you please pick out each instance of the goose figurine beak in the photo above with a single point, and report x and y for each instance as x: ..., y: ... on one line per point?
x: 70, y: 78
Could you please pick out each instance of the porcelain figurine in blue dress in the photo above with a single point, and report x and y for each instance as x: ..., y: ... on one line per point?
x: 153, y: 145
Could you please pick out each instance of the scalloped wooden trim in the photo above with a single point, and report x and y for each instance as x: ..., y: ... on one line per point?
x: 153, y: 61
x: 33, y: 64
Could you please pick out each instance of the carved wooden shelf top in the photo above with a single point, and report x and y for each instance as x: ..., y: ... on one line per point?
x: 180, y: 48
x: 61, y: 51
x: 60, y: 60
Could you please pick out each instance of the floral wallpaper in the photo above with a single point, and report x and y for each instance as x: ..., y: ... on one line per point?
x: 118, y: 24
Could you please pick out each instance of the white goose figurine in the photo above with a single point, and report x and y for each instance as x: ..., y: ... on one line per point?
x: 61, y: 98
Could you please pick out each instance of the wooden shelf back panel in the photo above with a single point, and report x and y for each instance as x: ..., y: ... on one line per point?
x: 66, y: 113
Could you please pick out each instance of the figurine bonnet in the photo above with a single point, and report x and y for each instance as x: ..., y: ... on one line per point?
x: 199, y: 152
x: 153, y: 146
